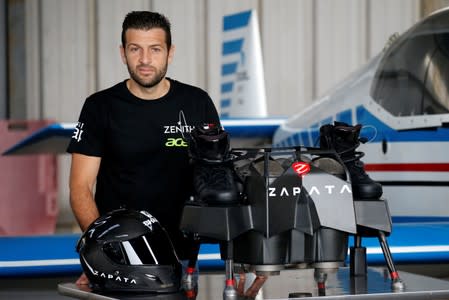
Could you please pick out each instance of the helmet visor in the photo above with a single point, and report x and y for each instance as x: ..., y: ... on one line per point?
x: 150, y: 249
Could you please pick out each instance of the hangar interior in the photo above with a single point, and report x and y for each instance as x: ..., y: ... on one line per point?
x: 59, y: 52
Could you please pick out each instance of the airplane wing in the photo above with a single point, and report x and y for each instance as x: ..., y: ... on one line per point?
x: 55, y: 138
x: 410, y: 243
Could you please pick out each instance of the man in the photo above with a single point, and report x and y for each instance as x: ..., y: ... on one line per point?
x: 129, y: 138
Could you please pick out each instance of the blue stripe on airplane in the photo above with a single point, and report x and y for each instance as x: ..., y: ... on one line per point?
x: 415, y: 135
x: 315, y: 134
x: 297, y: 139
x: 383, y: 131
x: 413, y: 243
x: 236, y: 21
x: 419, y: 219
x: 304, y: 137
x: 228, y: 69
x: 225, y: 103
x: 227, y: 87
x: 326, y: 121
x: 345, y: 116
x: 232, y: 46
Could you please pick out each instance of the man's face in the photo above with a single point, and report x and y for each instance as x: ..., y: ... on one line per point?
x: 146, y: 56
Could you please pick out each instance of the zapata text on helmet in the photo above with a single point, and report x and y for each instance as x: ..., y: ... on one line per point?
x: 109, y: 276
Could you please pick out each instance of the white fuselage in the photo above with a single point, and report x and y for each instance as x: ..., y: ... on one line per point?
x: 408, y: 155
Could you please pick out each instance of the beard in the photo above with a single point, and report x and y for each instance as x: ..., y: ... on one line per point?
x: 159, y: 74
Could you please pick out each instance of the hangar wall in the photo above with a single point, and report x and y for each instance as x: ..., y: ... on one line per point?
x: 307, y: 45
x: 72, y: 49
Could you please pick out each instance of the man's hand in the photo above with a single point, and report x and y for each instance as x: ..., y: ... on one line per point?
x: 253, y: 290
x: 82, y: 280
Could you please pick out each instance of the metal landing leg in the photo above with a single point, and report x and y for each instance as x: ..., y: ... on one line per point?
x: 229, y: 293
x: 189, y: 283
x: 357, y: 258
x: 320, y: 277
x: 397, y: 283
x: 358, y: 265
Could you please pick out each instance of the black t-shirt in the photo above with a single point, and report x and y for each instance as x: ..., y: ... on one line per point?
x: 144, y: 160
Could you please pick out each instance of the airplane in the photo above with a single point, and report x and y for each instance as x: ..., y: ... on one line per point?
x: 400, y: 97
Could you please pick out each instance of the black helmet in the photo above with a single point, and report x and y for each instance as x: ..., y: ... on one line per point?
x: 129, y: 251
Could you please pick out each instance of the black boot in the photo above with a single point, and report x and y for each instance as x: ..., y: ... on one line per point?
x: 213, y: 176
x: 344, y: 139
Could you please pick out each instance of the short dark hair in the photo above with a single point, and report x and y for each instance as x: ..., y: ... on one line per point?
x: 146, y: 20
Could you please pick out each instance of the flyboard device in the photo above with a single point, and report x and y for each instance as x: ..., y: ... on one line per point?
x: 294, y: 208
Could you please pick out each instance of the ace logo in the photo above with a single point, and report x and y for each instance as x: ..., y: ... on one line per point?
x: 175, y: 142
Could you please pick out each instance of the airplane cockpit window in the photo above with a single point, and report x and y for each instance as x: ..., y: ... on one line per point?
x: 413, y: 76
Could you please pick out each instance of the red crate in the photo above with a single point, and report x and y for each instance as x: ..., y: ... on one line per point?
x: 28, y: 184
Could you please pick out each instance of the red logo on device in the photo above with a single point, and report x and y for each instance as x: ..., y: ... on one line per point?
x: 301, y: 168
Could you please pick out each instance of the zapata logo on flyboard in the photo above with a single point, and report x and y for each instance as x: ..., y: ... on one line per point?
x: 328, y: 189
